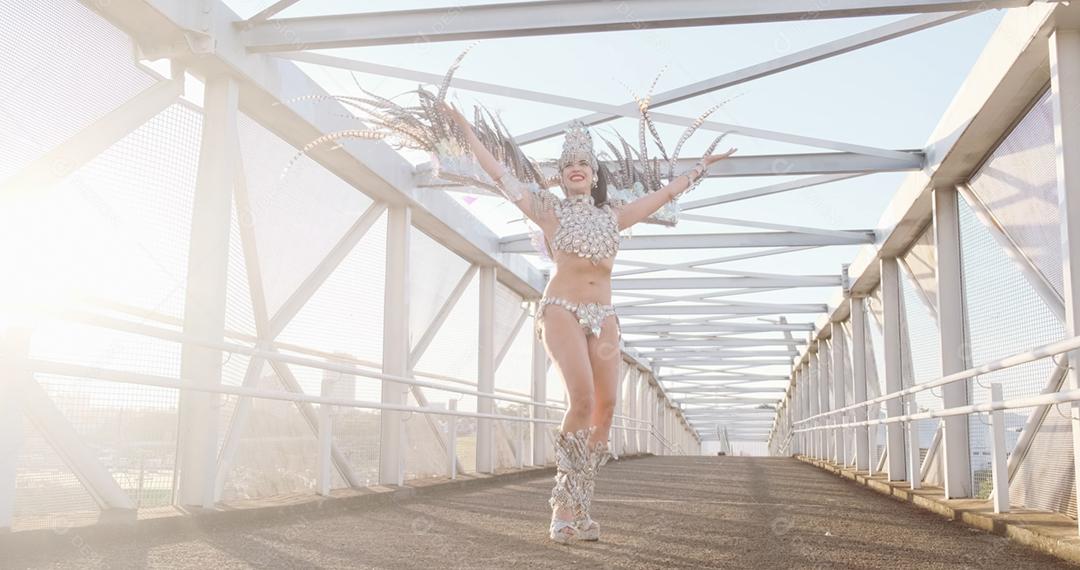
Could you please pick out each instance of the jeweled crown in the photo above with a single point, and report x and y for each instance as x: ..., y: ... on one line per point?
x: 577, y: 144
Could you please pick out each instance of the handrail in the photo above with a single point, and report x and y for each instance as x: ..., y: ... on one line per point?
x: 165, y: 334
x: 1001, y: 405
x: 1041, y: 352
x: 105, y: 321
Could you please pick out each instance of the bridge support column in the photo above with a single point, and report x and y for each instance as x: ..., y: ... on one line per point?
x: 395, y: 345
x: 839, y: 381
x: 539, y: 431
x: 950, y: 310
x: 891, y: 301
x: 1065, y: 99
x: 858, y: 379
x: 825, y: 380
x: 815, y: 397
x: 807, y: 409
x: 631, y: 409
x: 485, y: 460
x: 795, y: 404
x: 204, y: 301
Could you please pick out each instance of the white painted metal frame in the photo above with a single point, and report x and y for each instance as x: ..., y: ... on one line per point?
x: 1064, y: 47
x: 950, y: 315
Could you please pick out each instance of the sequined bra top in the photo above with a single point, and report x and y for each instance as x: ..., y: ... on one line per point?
x: 586, y: 230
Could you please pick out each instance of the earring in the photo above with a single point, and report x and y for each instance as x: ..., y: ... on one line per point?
x: 594, y: 181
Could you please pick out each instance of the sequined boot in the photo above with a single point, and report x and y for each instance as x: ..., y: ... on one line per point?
x: 571, y: 461
x: 598, y: 455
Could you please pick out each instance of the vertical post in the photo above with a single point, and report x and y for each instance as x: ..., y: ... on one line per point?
x: 14, y: 349
x: 815, y: 401
x: 618, y: 434
x: 654, y: 425
x: 825, y: 376
x: 519, y: 428
x: 451, y: 440
x: 539, y: 394
x: 204, y: 301
x: 791, y: 416
x: 998, y: 468
x: 894, y: 432
x: 804, y: 398
x: 485, y: 460
x: 395, y: 344
x: 858, y: 379
x: 650, y: 413
x: 801, y: 387
x: 794, y: 414
x: 326, y: 438
x: 913, y: 463
x: 643, y: 425
x: 631, y: 405
x: 1065, y: 98
x: 661, y: 415
x: 839, y: 384
x: 950, y: 310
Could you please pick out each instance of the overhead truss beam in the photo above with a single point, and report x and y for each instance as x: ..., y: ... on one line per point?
x: 563, y: 17
x: 725, y: 309
x: 715, y: 241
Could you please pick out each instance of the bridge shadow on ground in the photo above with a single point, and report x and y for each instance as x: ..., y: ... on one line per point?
x: 655, y: 512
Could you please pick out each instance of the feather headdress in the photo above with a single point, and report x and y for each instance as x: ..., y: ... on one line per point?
x: 424, y: 126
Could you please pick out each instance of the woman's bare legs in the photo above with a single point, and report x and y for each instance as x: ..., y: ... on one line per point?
x: 566, y: 345
x: 605, y: 359
x: 569, y: 352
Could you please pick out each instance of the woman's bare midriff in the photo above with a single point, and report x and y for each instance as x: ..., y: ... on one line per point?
x: 579, y: 280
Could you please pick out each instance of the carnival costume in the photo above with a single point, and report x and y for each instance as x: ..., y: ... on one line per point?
x: 585, y: 229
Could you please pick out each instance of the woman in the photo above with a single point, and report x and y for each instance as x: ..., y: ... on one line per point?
x: 579, y: 327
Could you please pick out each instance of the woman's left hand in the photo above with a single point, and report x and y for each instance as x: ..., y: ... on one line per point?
x: 708, y: 160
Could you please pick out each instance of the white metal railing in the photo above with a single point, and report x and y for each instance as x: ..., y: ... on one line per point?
x: 664, y: 441
x: 995, y: 408
x: 327, y: 403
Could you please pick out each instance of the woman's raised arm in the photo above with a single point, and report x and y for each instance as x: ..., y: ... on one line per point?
x: 537, y: 206
x: 645, y: 206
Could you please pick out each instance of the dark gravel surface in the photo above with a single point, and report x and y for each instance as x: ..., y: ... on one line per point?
x: 656, y: 512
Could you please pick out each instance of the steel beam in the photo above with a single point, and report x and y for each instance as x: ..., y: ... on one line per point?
x: 953, y: 341
x: 1064, y: 46
x: 474, y: 22
x: 395, y: 345
x: 712, y: 241
x: 204, y: 301
x: 723, y: 309
x: 208, y: 42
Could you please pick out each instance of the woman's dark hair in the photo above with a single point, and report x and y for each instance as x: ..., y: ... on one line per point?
x: 599, y: 193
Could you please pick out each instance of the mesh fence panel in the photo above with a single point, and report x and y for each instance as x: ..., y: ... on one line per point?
x: 1018, y: 184
x: 64, y: 67
x: 239, y: 313
x: 115, y: 233
x: 453, y: 352
x: 297, y: 217
x: 875, y: 372
x: 47, y: 493
x: 426, y: 454
x: 277, y: 447
x: 433, y: 271
x: 920, y: 337
x: 1004, y: 316
x: 118, y: 227
x: 130, y: 429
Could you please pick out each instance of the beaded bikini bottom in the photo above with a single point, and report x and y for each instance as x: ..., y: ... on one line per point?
x: 589, y: 315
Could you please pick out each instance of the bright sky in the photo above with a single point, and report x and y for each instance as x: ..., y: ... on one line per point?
x: 890, y: 95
